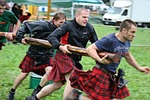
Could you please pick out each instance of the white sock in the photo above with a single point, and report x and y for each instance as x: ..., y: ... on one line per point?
x: 80, y: 97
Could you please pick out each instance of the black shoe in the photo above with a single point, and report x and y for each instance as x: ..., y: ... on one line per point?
x: 31, y: 98
x: 11, y: 95
x: 36, y: 90
x: 76, y: 94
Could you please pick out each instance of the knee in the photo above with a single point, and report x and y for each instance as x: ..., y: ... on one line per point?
x: 73, y: 95
x: 48, y: 69
x: 57, y: 85
x: 69, y: 97
x: 24, y: 75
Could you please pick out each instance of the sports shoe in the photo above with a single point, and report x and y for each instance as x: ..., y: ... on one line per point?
x: 11, y: 95
x: 31, y: 98
x: 76, y: 94
x: 36, y: 90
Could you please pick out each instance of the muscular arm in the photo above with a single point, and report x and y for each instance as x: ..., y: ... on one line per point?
x: 92, y: 52
x: 131, y: 60
x: 7, y: 35
x: 2, y: 33
x: 16, y: 28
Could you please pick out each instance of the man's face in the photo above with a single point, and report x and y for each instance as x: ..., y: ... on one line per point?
x: 59, y: 22
x: 83, y: 18
x: 130, y: 34
x: 2, y: 9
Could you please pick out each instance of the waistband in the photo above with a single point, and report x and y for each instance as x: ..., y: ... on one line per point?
x: 103, y: 69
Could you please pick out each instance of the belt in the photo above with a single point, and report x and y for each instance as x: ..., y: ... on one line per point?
x: 103, y: 69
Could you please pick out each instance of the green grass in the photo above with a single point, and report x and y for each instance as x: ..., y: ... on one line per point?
x: 12, y: 55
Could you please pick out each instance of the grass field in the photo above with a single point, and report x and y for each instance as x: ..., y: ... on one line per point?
x: 12, y: 55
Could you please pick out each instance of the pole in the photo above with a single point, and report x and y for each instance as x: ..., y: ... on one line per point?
x: 72, y: 11
x: 74, y: 49
x: 49, y: 9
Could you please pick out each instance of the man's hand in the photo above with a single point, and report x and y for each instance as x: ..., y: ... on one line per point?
x: 104, y: 60
x: 9, y: 36
x: 64, y: 49
x: 146, y: 70
x: 23, y: 41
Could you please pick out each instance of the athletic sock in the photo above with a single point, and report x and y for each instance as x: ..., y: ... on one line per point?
x: 39, y: 87
x: 36, y: 90
x: 79, y: 97
x: 76, y: 94
x: 12, y: 90
x: 36, y: 98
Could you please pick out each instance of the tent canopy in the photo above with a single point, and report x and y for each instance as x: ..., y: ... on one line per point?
x: 55, y: 3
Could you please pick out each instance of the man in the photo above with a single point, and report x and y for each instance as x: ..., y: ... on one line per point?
x: 100, y: 83
x: 25, y: 17
x: 16, y: 9
x: 38, y: 59
x: 7, y: 17
x: 76, y: 32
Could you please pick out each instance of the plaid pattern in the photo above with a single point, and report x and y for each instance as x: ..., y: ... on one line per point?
x: 28, y: 65
x: 62, y: 65
x: 97, y: 85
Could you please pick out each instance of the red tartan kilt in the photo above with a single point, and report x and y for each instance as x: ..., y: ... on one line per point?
x: 28, y: 65
x: 62, y: 64
x: 97, y: 84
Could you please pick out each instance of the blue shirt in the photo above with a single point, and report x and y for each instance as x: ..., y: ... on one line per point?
x: 111, y: 44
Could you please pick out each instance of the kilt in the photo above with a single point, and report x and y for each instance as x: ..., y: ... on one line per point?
x: 28, y: 65
x: 62, y: 64
x: 97, y: 84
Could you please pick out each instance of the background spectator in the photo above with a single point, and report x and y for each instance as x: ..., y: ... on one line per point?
x: 16, y: 9
x: 25, y: 17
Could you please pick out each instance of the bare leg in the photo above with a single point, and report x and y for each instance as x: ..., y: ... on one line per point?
x: 68, y: 92
x: 48, y: 89
x: 76, y: 95
x: 44, y: 79
x: 68, y: 89
x: 17, y: 82
x: 84, y: 98
x: 19, y: 79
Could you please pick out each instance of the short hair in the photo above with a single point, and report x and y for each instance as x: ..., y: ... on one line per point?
x: 127, y: 24
x: 19, y: 6
x: 3, y: 2
x: 79, y: 10
x: 59, y: 15
x: 29, y: 14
